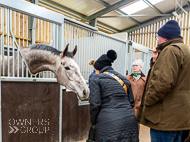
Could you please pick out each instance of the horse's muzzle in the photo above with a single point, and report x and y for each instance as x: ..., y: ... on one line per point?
x: 85, y: 94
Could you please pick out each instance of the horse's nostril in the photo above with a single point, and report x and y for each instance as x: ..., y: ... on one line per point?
x: 84, y: 93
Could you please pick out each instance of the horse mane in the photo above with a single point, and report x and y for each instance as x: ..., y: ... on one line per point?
x: 49, y: 48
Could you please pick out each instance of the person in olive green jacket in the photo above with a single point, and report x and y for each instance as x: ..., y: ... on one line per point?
x: 166, y: 99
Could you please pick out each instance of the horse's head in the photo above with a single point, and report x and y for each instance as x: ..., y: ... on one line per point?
x: 68, y: 74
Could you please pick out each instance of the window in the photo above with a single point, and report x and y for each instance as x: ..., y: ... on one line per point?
x: 140, y: 5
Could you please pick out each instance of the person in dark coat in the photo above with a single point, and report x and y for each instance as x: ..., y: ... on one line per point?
x: 91, y: 62
x: 111, y: 109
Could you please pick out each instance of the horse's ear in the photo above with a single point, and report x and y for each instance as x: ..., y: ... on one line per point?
x: 74, y: 51
x: 64, y: 51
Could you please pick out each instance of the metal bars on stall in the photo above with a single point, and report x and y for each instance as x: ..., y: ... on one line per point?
x: 135, y: 48
x: 90, y: 45
x: 91, y: 42
x: 8, y: 45
x: 0, y: 110
x: 61, y: 25
x: 11, y: 48
x: 61, y: 43
x: 2, y: 40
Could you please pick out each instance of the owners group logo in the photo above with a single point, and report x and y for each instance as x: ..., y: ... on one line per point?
x: 29, y: 126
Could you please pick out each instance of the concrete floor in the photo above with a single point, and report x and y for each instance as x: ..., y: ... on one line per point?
x: 144, y: 134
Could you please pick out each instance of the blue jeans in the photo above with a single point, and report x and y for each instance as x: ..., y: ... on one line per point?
x: 165, y: 136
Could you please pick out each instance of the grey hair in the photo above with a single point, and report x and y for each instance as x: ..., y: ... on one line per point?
x: 138, y: 62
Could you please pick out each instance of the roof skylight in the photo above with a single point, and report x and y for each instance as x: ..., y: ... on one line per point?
x: 140, y: 5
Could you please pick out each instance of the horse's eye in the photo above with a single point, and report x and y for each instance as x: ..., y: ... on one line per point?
x: 67, y: 68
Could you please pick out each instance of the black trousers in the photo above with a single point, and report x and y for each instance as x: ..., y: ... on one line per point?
x: 184, y: 135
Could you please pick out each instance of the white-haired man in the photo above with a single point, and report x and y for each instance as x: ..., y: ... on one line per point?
x: 137, y: 80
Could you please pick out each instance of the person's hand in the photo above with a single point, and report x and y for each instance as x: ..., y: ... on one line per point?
x: 154, y: 54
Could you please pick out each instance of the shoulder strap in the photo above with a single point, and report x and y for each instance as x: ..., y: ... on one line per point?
x: 119, y: 80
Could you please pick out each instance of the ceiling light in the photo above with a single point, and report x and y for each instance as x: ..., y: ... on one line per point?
x: 140, y: 5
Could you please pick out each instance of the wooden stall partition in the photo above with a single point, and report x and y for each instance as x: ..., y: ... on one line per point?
x: 146, y: 36
x: 26, y: 30
x: 70, y: 16
x: 5, y: 26
x: 76, y: 119
x: 21, y: 33
x: 20, y: 29
x: 30, y: 113
x: 17, y: 27
x: 43, y: 31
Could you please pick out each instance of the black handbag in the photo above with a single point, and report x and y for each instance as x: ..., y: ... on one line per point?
x: 91, y: 134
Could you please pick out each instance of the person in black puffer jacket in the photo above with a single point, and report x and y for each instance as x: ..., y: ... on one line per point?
x: 110, y: 107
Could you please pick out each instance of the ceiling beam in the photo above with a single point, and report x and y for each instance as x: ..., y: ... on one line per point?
x: 63, y: 8
x: 118, y: 11
x: 108, y: 9
x: 153, y: 15
x: 105, y: 26
x: 152, y: 6
x: 149, y: 22
x: 93, y: 22
x: 77, y: 15
x: 181, y: 7
x: 185, y: 2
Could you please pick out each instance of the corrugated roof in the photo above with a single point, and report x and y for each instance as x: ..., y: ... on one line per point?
x: 90, y: 9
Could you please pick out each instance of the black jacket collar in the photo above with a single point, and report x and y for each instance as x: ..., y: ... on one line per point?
x: 106, y: 68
